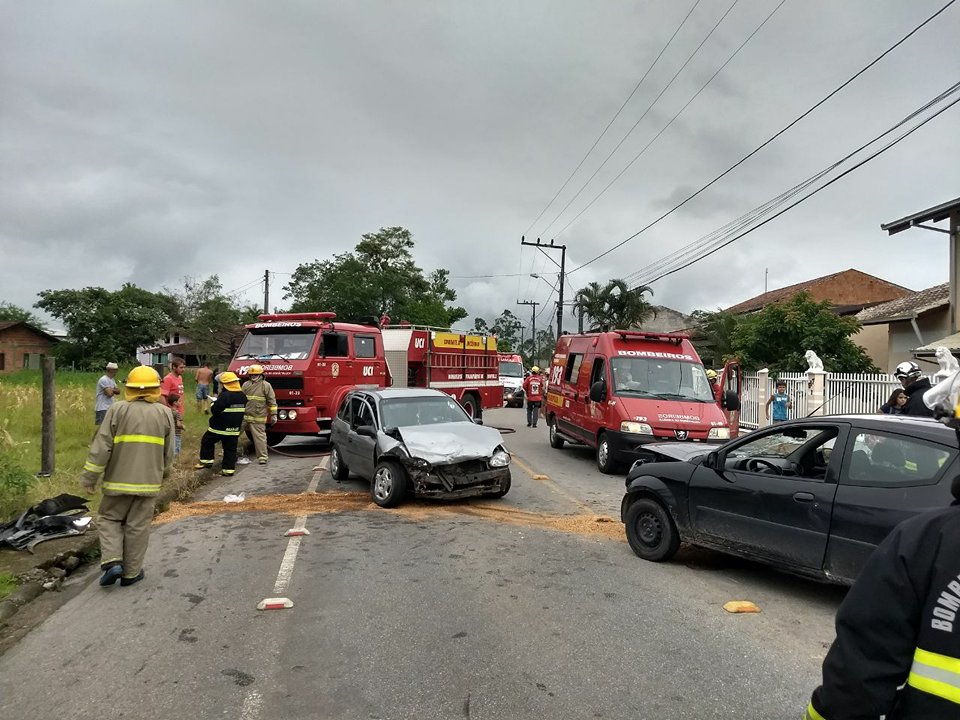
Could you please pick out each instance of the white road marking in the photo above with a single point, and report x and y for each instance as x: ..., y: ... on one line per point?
x: 250, y: 710
x: 293, y: 545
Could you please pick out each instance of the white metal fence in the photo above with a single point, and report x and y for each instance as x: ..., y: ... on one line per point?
x: 844, y: 393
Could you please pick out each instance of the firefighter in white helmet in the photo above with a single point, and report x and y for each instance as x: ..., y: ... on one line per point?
x: 261, y: 411
x: 131, y: 454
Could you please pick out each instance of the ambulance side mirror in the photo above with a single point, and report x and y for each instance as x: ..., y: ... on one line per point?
x: 598, y: 391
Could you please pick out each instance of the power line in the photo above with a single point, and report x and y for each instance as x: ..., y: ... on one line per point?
x: 649, y: 107
x: 808, y: 195
x: 748, y: 218
x: 769, y: 140
x: 671, y: 121
x: 615, y: 116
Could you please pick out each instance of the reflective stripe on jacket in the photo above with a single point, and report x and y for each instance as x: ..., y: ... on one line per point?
x: 226, y: 414
x: 134, y: 448
x: 897, y: 651
x: 261, y: 400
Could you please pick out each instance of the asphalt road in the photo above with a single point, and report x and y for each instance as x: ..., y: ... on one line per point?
x: 525, y: 607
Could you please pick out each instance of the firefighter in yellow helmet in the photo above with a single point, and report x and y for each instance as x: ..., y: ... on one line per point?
x: 261, y: 411
x: 226, y: 418
x: 130, y: 456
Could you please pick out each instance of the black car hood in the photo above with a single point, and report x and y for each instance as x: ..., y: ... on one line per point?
x: 685, y: 451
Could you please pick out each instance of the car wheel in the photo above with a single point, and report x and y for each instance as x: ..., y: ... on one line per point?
x: 389, y: 484
x: 651, y: 531
x: 555, y: 440
x: 471, y: 405
x: 605, y: 463
x: 338, y: 468
x: 504, y: 488
x: 274, y: 438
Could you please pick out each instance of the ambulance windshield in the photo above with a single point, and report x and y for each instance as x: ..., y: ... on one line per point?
x: 511, y: 369
x: 266, y: 343
x: 660, y: 378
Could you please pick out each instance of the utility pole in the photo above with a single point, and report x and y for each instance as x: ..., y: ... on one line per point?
x: 266, y: 291
x: 543, y: 247
x: 766, y: 271
x: 533, y: 328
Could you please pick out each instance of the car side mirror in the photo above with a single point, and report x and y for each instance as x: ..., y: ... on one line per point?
x: 712, y: 461
x: 598, y: 391
x: 367, y: 431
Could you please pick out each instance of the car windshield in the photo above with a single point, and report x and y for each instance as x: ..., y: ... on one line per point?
x: 511, y: 369
x: 660, y: 378
x: 404, y: 412
x: 275, y: 343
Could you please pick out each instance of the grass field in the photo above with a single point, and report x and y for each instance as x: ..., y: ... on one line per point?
x: 20, y: 403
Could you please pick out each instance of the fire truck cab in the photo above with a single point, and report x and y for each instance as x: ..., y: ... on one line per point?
x: 311, y: 362
x: 616, y: 391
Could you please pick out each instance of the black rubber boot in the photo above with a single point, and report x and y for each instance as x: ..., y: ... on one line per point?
x: 127, y: 582
x: 111, y: 573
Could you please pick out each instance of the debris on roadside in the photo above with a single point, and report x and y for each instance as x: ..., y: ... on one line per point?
x: 740, y: 606
x: 234, y: 498
x: 47, y: 520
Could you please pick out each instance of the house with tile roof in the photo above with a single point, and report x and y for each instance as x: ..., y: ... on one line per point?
x: 22, y: 346
x: 900, y: 329
x: 848, y: 292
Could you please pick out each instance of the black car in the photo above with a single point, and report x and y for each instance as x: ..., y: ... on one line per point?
x: 416, y: 442
x: 812, y: 496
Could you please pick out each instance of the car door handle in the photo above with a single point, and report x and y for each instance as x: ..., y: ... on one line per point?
x: 803, y: 497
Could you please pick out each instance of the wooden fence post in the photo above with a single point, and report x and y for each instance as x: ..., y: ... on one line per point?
x: 48, y: 416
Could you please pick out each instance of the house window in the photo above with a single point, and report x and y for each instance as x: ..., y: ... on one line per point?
x: 176, y: 338
x: 3, y: 361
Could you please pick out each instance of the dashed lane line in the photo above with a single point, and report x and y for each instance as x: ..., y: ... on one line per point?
x: 293, y: 545
x: 545, y: 479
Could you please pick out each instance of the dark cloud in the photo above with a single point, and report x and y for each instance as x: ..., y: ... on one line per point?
x: 143, y: 142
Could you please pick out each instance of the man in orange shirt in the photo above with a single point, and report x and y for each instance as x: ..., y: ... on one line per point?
x: 173, y: 385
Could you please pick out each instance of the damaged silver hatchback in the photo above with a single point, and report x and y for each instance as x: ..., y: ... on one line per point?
x: 416, y: 442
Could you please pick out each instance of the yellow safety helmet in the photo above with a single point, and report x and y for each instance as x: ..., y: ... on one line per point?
x: 255, y: 370
x: 711, y: 374
x: 230, y: 380
x: 535, y: 369
x: 142, y: 377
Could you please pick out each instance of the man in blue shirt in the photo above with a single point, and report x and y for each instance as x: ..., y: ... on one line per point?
x: 781, y: 403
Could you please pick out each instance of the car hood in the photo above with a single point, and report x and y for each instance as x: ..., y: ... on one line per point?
x: 678, y: 450
x: 450, y: 442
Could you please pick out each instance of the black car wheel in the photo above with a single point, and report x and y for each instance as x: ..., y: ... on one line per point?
x: 651, y: 531
x: 275, y: 438
x: 338, y: 468
x: 504, y: 488
x: 605, y: 462
x: 389, y: 484
x: 555, y: 440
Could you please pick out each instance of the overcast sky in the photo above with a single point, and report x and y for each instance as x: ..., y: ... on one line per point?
x: 145, y: 141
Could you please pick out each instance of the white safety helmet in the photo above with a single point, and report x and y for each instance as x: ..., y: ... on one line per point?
x: 907, y: 369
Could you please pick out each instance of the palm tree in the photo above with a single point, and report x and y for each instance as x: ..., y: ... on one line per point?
x: 615, y: 305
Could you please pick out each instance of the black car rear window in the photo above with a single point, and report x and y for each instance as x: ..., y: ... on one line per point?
x: 878, y: 459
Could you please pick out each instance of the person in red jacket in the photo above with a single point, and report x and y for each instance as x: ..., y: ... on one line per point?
x: 533, y: 391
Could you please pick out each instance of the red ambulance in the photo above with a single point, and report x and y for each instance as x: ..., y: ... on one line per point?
x: 616, y: 391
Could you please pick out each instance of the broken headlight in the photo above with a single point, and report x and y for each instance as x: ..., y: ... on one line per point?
x: 501, y: 458
x: 418, y: 463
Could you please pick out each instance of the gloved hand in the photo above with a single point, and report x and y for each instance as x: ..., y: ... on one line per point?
x: 88, y: 481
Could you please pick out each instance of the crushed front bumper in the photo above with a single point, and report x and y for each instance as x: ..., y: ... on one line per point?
x: 458, y: 480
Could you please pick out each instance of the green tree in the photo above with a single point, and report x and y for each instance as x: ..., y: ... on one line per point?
x: 14, y: 313
x: 379, y: 276
x: 614, y: 305
x: 714, y: 335
x: 209, y: 318
x: 778, y: 336
x: 104, y: 326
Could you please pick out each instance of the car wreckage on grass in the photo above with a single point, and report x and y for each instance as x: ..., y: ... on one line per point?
x: 416, y: 442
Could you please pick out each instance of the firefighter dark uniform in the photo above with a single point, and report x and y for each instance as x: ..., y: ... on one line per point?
x: 261, y: 407
x: 226, y: 418
x: 131, y: 454
x: 897, y: 651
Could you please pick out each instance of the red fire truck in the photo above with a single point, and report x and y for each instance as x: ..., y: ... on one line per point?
x: 312, y: 362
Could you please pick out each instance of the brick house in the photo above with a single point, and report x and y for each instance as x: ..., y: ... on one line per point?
x: 22, y: 346
x: 848, y: 292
